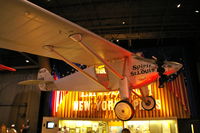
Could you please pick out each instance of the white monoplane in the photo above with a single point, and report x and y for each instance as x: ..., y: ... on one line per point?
x: 25, y: 27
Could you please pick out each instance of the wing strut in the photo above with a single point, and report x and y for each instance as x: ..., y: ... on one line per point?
x: 52, y: 49
x: 78, y: 38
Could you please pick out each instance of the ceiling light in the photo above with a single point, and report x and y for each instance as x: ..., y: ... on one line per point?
x: 179, y: 5
x: 197, y: 11
x: 117, y: 40
x: 123, y: 22
x: 27, y: 61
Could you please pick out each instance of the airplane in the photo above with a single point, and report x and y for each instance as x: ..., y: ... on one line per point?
x: 3, y: 67
x: 26, y: 27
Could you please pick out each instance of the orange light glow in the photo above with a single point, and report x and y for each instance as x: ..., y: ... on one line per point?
x: 171, y: 101
x: 149, y: 79
x: 100, y: 69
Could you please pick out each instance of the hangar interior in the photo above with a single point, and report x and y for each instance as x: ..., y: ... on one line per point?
x: 168, y: 29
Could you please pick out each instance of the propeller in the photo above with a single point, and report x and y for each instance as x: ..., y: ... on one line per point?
x: 161, y: 70
x: 160, y: 62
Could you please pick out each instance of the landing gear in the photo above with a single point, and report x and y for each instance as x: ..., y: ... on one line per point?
x: 149, y: 104
x: 124, y: 110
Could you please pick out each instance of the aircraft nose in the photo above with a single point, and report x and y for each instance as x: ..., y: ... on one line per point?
x: 172, y: 67
x: 179, y: 66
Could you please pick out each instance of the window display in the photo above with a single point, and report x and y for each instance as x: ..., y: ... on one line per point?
x: 83, y: 126
x: 152, y: 126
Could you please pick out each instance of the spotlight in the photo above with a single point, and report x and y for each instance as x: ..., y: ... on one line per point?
x: 179, y: 5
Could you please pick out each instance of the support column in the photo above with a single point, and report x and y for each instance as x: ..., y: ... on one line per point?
x: 44, y: 63
x: 44, y: 109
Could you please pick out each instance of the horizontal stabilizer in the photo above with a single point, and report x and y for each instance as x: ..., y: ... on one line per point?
x: 34, y: 82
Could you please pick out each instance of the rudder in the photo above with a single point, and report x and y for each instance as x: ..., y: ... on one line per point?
x: 45, y: 75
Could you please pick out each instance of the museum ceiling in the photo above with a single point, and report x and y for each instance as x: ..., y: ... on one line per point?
x: 123, y: 20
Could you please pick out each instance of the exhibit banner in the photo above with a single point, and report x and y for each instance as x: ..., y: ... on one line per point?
x: 171, y: 101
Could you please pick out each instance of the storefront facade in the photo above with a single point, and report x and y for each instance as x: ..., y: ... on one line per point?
x: 82, y: 112
x: 110, y: 126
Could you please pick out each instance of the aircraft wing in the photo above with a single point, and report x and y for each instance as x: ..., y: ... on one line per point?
x: 26, y: 27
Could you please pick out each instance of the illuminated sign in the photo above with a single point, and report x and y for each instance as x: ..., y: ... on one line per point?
x: 91, y: 94
x: 107, y: 105
x: 85, y: 105
x: 104, y: 105
x: 171, y: 101
x: 100, y: 69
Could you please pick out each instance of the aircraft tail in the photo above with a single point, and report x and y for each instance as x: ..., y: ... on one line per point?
x: 45, y: 75
x: 44, y: 80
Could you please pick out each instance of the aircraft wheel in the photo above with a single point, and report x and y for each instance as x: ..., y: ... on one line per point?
x: 124, y: 110
x: 151, y: 103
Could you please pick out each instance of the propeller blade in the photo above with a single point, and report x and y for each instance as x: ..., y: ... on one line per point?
x: 162, y: 80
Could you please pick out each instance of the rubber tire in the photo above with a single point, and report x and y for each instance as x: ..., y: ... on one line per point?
x: 152, y: 103
x: 122, y: 112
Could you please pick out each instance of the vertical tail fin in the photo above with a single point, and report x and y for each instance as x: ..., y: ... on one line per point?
x: 45, y: 75
x: 44, y: 80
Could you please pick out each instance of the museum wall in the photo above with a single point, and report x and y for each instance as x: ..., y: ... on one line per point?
x: 19, y: 103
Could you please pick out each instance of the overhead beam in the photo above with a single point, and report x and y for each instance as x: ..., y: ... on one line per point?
x: 150, y: 35
x: 26, y: 67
